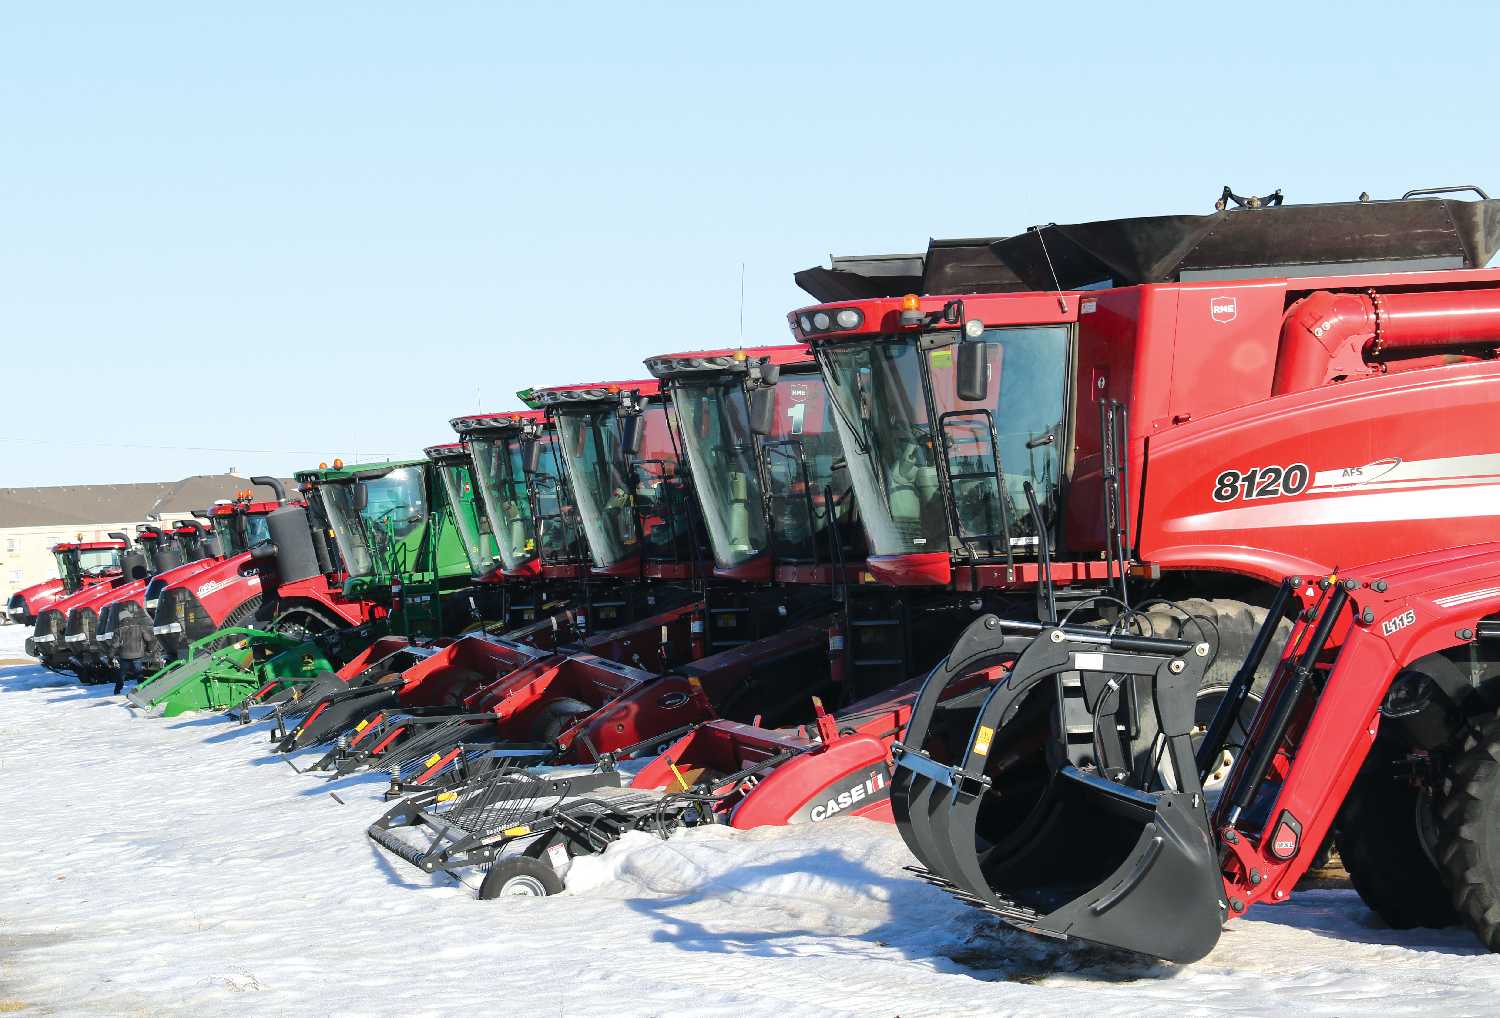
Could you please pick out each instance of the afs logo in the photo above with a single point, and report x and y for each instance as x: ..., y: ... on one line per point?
x: 1223, y: 309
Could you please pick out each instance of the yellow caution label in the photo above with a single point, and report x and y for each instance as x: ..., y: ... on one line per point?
x: 942, y: 358
x: 362, y: 725
x: 982, y: 740
x: 297, y: 731
x: 516, y: 832
x: 447, y: 796
x: 434, y: 758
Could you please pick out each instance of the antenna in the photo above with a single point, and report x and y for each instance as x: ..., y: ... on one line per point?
x: 1062, y: 302
x: 742, y: 303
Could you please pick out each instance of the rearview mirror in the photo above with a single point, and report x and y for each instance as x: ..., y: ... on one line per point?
x: 533, y: 456
x: 361, y: 496
x: 972, y: 376
x: 763, y: 411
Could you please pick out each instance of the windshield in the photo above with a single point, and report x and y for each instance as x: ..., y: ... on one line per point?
x: 98, y: 561
x: 67, y: 568
x: 479, y: 544
x: 888, y: 433
x: 562, y: 539
x: 595, y: 454
x: 231, y: 534
x: 808, y: 484
x: 379, y: 534
x: 799, y: 457
x: 151, y: 549
x: 628, y: 505
x: 715, y: 420
x: 500, y: 465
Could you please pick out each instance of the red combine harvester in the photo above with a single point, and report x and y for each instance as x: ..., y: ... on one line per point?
x: 1262, y: 392
x: 80, y: 564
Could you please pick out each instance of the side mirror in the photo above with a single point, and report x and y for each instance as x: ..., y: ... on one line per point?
x: 763, y: 411
x: 534, y: 456
x: 770, y: 373
x: 635, y: 435
x: 361, y: 496
x: 972, y: 375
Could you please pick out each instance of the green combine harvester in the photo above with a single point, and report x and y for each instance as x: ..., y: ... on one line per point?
x: 376, y: 550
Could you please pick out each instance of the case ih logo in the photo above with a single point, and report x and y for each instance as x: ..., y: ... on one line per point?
x: 1223, y: 309
x: 839, y: 796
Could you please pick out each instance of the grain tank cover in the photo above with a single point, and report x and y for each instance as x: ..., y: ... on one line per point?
x: 1290, y: 240
x: 863, y: 277
x: 1335, y: 238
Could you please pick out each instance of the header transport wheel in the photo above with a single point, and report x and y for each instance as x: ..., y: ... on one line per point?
x: 520, y: 876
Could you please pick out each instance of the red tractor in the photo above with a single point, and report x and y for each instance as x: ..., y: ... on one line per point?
x: 182, y: 553
x: 156, y: 551
x: 179, y: 609
x: 80, y: 564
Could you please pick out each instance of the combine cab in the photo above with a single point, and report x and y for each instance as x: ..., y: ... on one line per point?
x: 80, y: 564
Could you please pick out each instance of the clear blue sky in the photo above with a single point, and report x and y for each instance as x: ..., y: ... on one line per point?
x: 323, y: 229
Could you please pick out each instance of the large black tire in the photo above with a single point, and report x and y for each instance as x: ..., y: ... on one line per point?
x: 1379, y: 838
x: 1229, y: 627
x: 521, y: 876
x: 1469, y: 835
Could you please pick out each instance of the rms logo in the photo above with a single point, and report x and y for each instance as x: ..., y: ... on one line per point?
x: 1223, y: 309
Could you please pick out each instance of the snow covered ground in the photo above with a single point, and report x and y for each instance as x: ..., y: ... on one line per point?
x: 156, y: 867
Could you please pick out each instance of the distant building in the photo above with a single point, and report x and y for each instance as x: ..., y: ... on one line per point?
x: 32, y: 520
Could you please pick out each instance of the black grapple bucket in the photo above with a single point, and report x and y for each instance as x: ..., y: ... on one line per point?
x: 1069, y: 804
